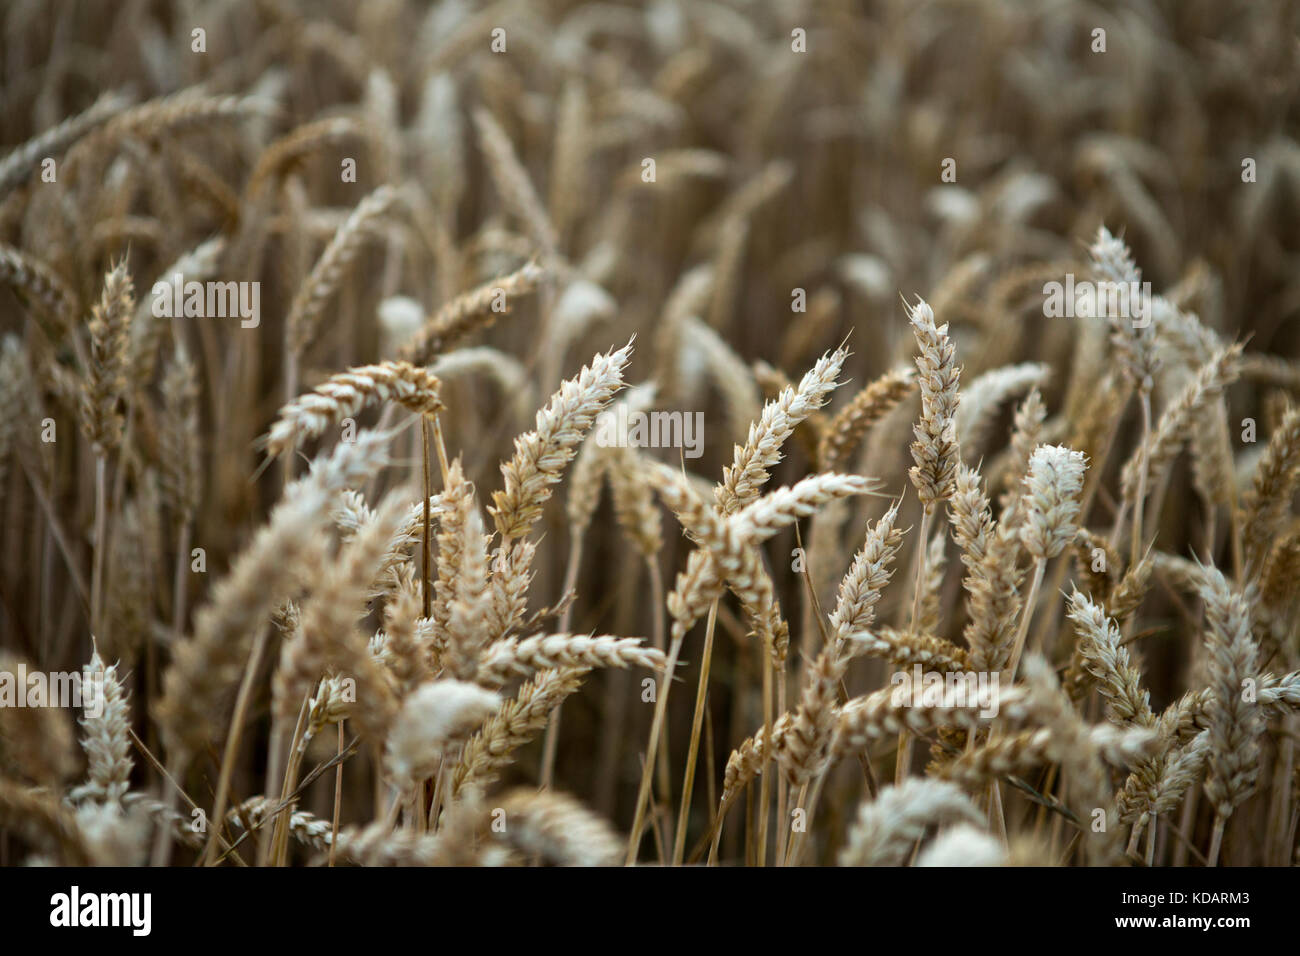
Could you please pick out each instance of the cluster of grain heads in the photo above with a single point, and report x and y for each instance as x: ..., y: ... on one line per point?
x: 726, y: 556
x: 285, y: 552
x: 339, y: 646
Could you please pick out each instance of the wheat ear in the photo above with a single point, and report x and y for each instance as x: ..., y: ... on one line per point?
x: 541, y: 455
x: 886, y: 828
x: 851, y: 423
x: 762, y: 449
x: 1236, y: 722
x: 331, y: 268
x: 1051, y: 502
x: 471, y: 310
x: 558, y: 829
x: 107, y: 740
x: 345, y: 395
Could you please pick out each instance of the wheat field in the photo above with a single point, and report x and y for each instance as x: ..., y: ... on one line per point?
x: 690, y: 432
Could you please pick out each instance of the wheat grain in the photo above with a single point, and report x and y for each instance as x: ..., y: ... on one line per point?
x: 433, y: 717
x: 850, y: 425
x: 762, y: 449
x: 522, y: 656
x: 887, y: 827
x: 344, y: 396
x: 471, y: 310
x: 541, y: 455
x: 558, y: 829
x: 107, y: 739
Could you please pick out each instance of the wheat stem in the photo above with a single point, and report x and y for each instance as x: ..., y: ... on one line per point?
x: 902, y: 759
x: 338, y: 796
x: 101, y: 548
x: 764, y: 789
x: 426, y: 537
x: 652, y: 747
x: 217, y: 820
x: 1026, y: 612
x: 697, y: 721
x: 551, y: 741
x: 1216, y: 841
x: 1135, y: 544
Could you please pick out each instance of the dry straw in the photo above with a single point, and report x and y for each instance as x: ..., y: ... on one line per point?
x: 360, y: 655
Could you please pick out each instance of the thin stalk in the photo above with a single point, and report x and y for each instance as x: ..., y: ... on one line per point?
x: 660, y: 818
x: 1048, y: 783
x: 435, y: 805
x: 1234, y: 528
x: 1216, y: 840
x: 179, y: 591
x: 1284, y: 775
x: 232, y: 743
x: 274, y: 762
x: 416, y: 809
x: 719, y: 818
x: 1186, y: 821
x: 923, y: 543
x: 426, y: 589
x: 280, y: 836
x: 903, y: 758
x: 290, y: 393
x: 1134, y: 834
x: 162, y: 843
x: 1027, y: 612
x: 1097, y: 469
x: 441, y: 447
x: 101, y: 547
x: 652, y: 748
x: 659, y: 637
x: 782, y: 785
x: 710, y: 770
x: 998, y: 815
x: 338, y: 796
x: 1135, y: 540
x: 394, y: 810
x: 60, y: 537
x: 765, y: 785
x: 796, y: 839
x: 693, y: 751
x: 550, y: 743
